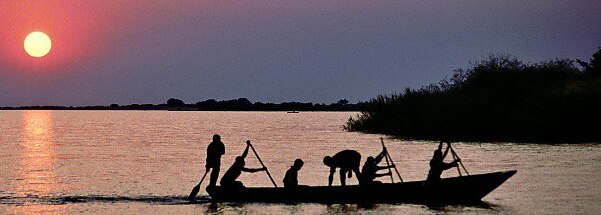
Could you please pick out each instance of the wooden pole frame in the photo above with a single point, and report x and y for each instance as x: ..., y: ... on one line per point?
x: 260, y: 161
x: 456, y: 157
x: 391, y: 161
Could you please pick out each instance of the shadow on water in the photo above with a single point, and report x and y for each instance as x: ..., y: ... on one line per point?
x: 481, y: 205
x: 213, y: 208
x: 219, y: 208
x: 59, y: 200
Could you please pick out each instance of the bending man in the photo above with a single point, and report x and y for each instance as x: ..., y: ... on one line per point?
x: 347, y: 161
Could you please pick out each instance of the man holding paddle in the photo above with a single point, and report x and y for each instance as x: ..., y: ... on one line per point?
x: 230, y: 176
x: 370, y: 169
x: 214, y: 152
x: 437, y: 164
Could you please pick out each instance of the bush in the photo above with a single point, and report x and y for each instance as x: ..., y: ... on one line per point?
x: 497, y: 99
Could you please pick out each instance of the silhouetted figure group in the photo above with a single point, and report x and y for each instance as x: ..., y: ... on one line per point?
x: 347, y: 160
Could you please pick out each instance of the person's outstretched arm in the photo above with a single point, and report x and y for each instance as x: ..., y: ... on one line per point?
x: 380, y: 156
x: 385, y: 167
x: 383, y: 174
x: 451, y: 165
x: 331, y: 178
x: 446, y: 151
x: 245, y: 151
x: 251, y: 170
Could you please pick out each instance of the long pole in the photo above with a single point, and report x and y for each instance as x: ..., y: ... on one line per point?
x: 391, y: 161
x: 460, y: 162
x: 260, y: 161
x: 455, y: 158
x: 395, y: 169
x: 389, y: 170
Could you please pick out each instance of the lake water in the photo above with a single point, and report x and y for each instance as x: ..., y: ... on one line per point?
x: 146, y: 162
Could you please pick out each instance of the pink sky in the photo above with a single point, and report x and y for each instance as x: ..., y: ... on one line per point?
x: 314, y: 51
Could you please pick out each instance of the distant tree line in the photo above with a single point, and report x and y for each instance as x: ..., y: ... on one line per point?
x: 241, y: 104
x: 497, y: 99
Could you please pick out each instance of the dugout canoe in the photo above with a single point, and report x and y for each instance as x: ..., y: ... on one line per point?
x: 466, y: 189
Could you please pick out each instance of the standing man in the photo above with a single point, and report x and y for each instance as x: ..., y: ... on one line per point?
x: 214, y: 152
x: 347, y: 161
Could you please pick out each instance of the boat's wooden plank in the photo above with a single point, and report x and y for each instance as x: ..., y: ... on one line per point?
x: 465, y: 188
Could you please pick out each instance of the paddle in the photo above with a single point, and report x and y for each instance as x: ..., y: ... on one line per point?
x: 456, y: 157
x: 196, y: 189
x: 387, y: 162
x: 260, y: 161
x: 391, y: 161
x: 389, y: 170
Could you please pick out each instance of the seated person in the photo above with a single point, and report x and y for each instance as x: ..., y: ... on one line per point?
x: 437, y: 164
x: 230, y: 176
x: 370, y: 169
x: 291, y: 178
x: 347, y: 160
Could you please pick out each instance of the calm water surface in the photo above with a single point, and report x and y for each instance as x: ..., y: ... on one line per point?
x: 72, y: 162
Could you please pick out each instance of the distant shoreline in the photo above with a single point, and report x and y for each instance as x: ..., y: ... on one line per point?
x: 176, y: 110
x: 236, y: 105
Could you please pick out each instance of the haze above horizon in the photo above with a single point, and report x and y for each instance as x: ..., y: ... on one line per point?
x: 310, y: 51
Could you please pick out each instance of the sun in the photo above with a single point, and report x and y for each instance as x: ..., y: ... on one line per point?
x: 37, y: 44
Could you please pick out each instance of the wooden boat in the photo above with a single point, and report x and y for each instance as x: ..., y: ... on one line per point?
x: 292, y: 111
x: 464, y: 189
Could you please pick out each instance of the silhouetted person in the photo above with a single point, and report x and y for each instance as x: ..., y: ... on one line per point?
x: 291, y: 177
x: 437, y: 164
x: 347, y: 161
x: 214, y: 152
x: 230, y: 176
x: 370, y: 169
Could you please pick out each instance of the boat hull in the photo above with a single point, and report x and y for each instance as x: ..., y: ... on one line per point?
x: 457, y: 189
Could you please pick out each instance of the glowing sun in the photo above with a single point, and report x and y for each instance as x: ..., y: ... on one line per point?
x: 37, y: 44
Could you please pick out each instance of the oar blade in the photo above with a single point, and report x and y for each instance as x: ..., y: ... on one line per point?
x: 194, y: 192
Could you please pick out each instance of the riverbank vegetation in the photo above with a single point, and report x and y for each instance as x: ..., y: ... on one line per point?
x: 498, y: 99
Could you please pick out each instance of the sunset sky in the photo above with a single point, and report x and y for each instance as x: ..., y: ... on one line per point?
x: 127, y: 52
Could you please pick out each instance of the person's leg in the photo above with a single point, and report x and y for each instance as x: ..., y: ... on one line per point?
x: 357, y: 173
x: 229, y: 184
x: 214, y: 176
x: 343, y: 177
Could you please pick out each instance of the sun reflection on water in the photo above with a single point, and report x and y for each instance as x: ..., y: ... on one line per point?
x: 38, y: 159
